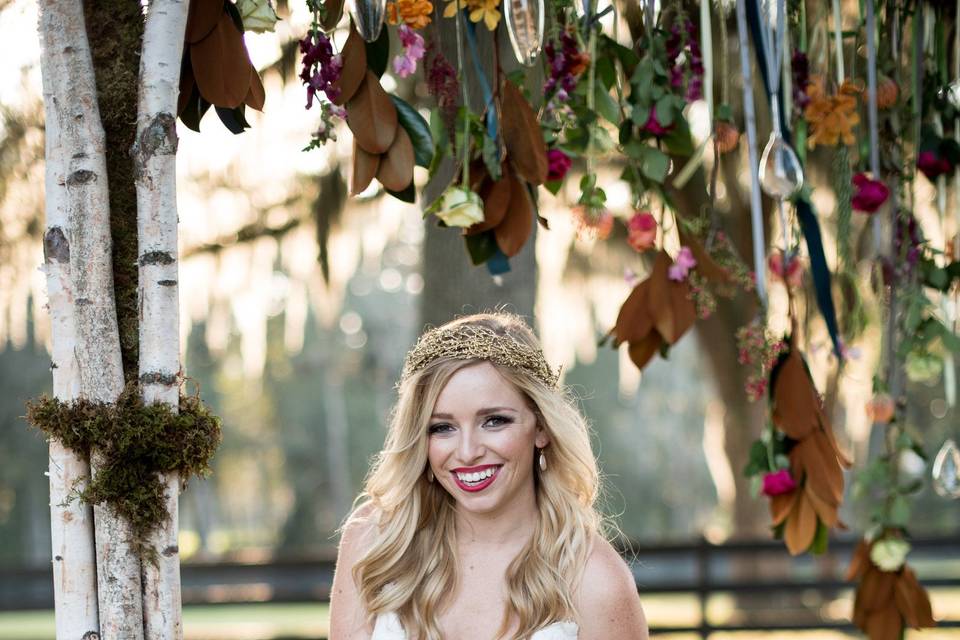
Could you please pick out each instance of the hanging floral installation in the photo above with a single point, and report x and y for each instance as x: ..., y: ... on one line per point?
x: 578, y: 93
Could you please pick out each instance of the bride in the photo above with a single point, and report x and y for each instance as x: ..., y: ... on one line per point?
x: 477, y: 521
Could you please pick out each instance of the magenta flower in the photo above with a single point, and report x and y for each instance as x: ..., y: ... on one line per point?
x: 870, y: 195
x: 653, y: 125
x: 405, y: 63
x: 778, y: 483
x: 642, y: 230
x: 933, y: 165
x: 559, y: 163
x: 681, y: 266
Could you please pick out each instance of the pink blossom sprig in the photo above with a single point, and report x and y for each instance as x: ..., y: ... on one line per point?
x: 681, y: 265
x: 757, y: 349
x: 321, y: 68
x: 565, y: 64
x: 683, y: 53
x: 442, y: 83
x: 405, y: 63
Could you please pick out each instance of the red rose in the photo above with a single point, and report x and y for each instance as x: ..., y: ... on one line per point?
x: 558, y: 163
x: 870, y: 195
x: 933, y: 165
x: 777, y: 483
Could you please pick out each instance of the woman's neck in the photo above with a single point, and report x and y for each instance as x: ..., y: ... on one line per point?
x: 512, y: 524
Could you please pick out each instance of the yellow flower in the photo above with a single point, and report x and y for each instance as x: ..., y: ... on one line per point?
x: 452, y: 8
x: 415, y: 13
x: 485, y: 10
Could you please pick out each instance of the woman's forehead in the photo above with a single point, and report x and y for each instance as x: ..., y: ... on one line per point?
x: 477, y: 387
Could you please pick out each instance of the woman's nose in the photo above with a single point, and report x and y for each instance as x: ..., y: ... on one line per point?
x: 471, y: 446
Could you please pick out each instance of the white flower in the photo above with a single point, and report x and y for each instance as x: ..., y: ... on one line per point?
x: 953, y: 94
x: 889, y: 554
x: 460, y: 207
x: 258, y: 15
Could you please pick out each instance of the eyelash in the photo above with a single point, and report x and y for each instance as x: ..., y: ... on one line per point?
x: 443, y: 427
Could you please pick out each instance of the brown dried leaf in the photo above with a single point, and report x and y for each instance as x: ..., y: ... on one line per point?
x: 522, y: 136
x: 354, y: 70
x: 640, y: 351
x: 634, y: 322
x: 795, y: 402
x: 825, y: 511
x: 187, y: 83
x: 221, y: 65
x: 706, y: 265
x: 918, y: 597
x: 256, y: 96
x: 683, y: 310
x: 830, y: 488
x: 859, y: 561
x: 496, y: 197
x: 659, y: 304
x: 781, y: 505
x: 371, y: 116
x: 332, y: 17
x: 884, y: 624
x: 396, y: 165
x: 801, y: 526
x: 876, y: 589
x: 202, y: 18
x: 365, y: 167
x: 513, y: 232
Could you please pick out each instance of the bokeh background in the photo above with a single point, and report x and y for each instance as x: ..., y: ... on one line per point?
x: 298, y: 307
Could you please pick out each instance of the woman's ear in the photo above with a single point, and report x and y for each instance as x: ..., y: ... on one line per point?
x: 542, y: 439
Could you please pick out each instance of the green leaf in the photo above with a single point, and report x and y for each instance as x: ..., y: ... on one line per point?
x: 606, y: 72
x: 606, y: 105
x: 640, y: 115
x: 820, y: 539
x: 678, y: 141
x: 553, y: 186
x: 654, y: 164
x: 899, y: 511
x: 934, y: 276
x: 665, y: 110
x: 481, y: 246
x: 914, y: 486
x: 950, y: 340
x: 490, y: 159
x: 757, y: 461
x: 378, y: 53
x: 407, y: 195
x: 418, y: 130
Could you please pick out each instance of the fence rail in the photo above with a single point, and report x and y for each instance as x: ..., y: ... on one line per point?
x: 773, y: 591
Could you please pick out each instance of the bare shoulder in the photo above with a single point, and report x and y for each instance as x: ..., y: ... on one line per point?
x: 608, y: 601
x: 348, y: 617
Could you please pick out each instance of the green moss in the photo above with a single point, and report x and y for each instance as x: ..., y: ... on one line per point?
x: 115, y: 31
x: 135, y: 443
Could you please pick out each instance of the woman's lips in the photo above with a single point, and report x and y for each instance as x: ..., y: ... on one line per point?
x: 477, y: 486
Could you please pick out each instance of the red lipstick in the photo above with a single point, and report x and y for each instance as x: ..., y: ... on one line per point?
x: 473, y: 487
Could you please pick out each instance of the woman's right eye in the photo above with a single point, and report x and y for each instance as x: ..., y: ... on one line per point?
x: 439, y: 428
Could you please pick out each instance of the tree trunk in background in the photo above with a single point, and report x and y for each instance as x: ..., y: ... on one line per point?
x: 71, y: 530
x: 154, y: 155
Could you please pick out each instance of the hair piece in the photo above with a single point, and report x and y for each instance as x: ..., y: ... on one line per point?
x: 410, y: 568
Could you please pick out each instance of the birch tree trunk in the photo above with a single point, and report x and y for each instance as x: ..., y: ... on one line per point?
x: 71, y: 532
x: 85, y: 250
x: 155, y: 159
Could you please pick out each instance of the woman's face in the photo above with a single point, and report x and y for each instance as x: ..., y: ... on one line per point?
x: 482, y: 436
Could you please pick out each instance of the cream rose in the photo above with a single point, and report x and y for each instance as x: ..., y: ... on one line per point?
x: 258, y: 15
x: 460, y: 207
x: 889, y: 554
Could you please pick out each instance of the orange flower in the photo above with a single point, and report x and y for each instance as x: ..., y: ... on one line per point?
x: 415, y: 13
x: 831, y: 118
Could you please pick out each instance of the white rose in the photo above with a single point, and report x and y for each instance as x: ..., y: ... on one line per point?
x: 460, y: 207
x: 258, y: 15
x: 889, y: 554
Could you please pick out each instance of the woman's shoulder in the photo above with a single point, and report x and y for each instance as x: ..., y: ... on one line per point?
x: 359, y: 528
x: 609, y: 605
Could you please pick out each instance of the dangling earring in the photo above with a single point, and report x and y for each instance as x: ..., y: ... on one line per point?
x: 429, y: 474
x: 543, y: 461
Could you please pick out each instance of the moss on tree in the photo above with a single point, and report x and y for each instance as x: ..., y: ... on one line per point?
x: 135, y: 443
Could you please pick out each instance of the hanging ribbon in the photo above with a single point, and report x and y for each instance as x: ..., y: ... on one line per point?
x: 805, y: 213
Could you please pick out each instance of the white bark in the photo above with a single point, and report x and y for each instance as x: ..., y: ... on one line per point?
x: 73, y: 122
x: 71, y: 521
x: 155, y: 158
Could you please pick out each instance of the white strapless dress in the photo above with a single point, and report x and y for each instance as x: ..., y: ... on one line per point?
x: 388, y: 627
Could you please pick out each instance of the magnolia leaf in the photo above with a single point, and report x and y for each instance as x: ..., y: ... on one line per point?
x: 378, y: 53
x: 496, y: 197
x: 194, y: 109
x: 202, y: 19
x: 334, y: 10
x: 233, y: 119
x: 396, y: 165
x: 354, y: 70
x: 372, y: 117
x: 407, y: 195
x: 256, y: 96
x: 521, y: 134
x: 365, y: 167
x: 481, y: 247
x: 513, y: 232
x: 418, y: 129
x: 221, y: 65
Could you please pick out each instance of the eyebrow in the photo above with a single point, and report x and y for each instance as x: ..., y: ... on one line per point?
x: 481, y: 412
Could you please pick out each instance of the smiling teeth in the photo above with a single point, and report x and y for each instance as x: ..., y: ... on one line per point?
x: 477, y: 476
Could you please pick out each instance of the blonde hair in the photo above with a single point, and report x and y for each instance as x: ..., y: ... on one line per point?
x: 411, y: 566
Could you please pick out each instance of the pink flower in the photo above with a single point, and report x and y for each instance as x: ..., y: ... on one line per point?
x: 559, y: 163
x: 642, y: 230
x: 405, y: 64
x: 933, y: 165
x: 653, y: 125
x: 681, y: 266
x: 786, y: 268
x: 870, y: 195
x: 778, y: 483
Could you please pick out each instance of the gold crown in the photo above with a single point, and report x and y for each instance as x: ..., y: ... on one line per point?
x: 472, y: 341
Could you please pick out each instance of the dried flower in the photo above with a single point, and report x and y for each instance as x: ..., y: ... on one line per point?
x: 460, y: 207
x: 682, y: 265
x: 870, y: 195
x: 565, y: 63
x: 257, y: 16
x: 831, y: 118
x: 594, y: 222
x: 321, y: 68
x: 881, y: 408
x: 800, y: 68
x: 414, y: 13
x: 778, y: 483
x: 442, y: 84
x: 727, y: 136
x: 889, y: 554
x: 933, y: 165
x: 887, y: 93
x: 559, y: 163
x: 786, y: 267
x: 485, y: 10
x: 642, y: 231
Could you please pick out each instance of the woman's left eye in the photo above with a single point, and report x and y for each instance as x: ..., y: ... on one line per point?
x: 497, y: 421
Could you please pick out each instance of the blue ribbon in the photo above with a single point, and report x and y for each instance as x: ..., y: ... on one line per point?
x: 471, y: 29
x: 805, y: 212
